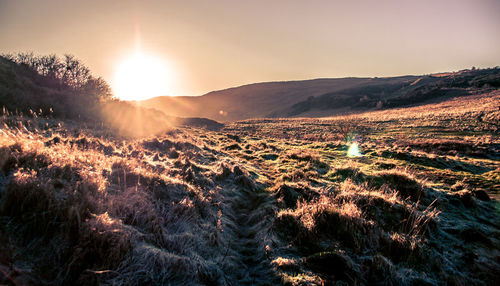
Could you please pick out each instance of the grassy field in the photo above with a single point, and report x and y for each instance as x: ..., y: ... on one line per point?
x: 259, y: 202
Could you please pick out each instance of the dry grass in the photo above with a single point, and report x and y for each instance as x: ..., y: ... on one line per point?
x: 249, y: 205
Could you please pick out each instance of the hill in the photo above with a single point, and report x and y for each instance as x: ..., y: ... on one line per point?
x: 326, y: 97
x: 27, y: 86
x: 259, y: 202
x: 250, y: 101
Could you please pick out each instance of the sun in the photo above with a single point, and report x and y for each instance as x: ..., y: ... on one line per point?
x: 141, y: 77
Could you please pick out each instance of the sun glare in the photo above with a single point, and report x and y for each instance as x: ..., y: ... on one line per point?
x: 354, y: 150
x: 141, y: 77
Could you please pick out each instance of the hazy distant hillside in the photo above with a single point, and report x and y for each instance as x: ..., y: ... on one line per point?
x: 253, y: 100
x: 325, y: 97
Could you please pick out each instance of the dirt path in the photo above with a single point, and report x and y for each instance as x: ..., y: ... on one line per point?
x: 249, y: 216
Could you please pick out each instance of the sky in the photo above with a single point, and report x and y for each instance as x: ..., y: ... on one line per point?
x: 212, y: 45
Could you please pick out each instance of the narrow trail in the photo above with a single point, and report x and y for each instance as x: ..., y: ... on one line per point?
x: 249, y: 211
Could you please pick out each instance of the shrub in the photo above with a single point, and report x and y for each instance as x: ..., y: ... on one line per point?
x: 402, y: 182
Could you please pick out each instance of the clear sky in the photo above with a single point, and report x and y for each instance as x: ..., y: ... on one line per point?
x: 212, y: 45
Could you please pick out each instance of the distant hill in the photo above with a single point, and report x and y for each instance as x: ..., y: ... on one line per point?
x: 325, y: 97
x: 387, y: 93
x: 268, y: 99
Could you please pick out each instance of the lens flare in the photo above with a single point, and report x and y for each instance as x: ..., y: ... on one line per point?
x: 353, y: 150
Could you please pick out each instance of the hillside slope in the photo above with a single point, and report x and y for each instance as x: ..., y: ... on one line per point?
x: 253, y: 100
x: 382, y: 93
x: 23, y: 89
x: 326, y: 97
x: 260, y: 202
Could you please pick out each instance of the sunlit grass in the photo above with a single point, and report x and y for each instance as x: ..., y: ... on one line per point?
x: 246, y: 204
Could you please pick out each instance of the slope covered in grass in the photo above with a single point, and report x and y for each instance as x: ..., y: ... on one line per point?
x: 259, y: 202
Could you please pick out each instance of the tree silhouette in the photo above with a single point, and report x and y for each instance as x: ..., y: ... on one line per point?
x: 66, y: 73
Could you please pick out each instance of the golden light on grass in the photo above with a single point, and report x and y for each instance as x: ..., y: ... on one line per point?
x: 353, y: 150
x: 141, y: 77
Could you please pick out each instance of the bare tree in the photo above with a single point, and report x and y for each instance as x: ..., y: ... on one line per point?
x: 75, y: 74
x: 65, y: 73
